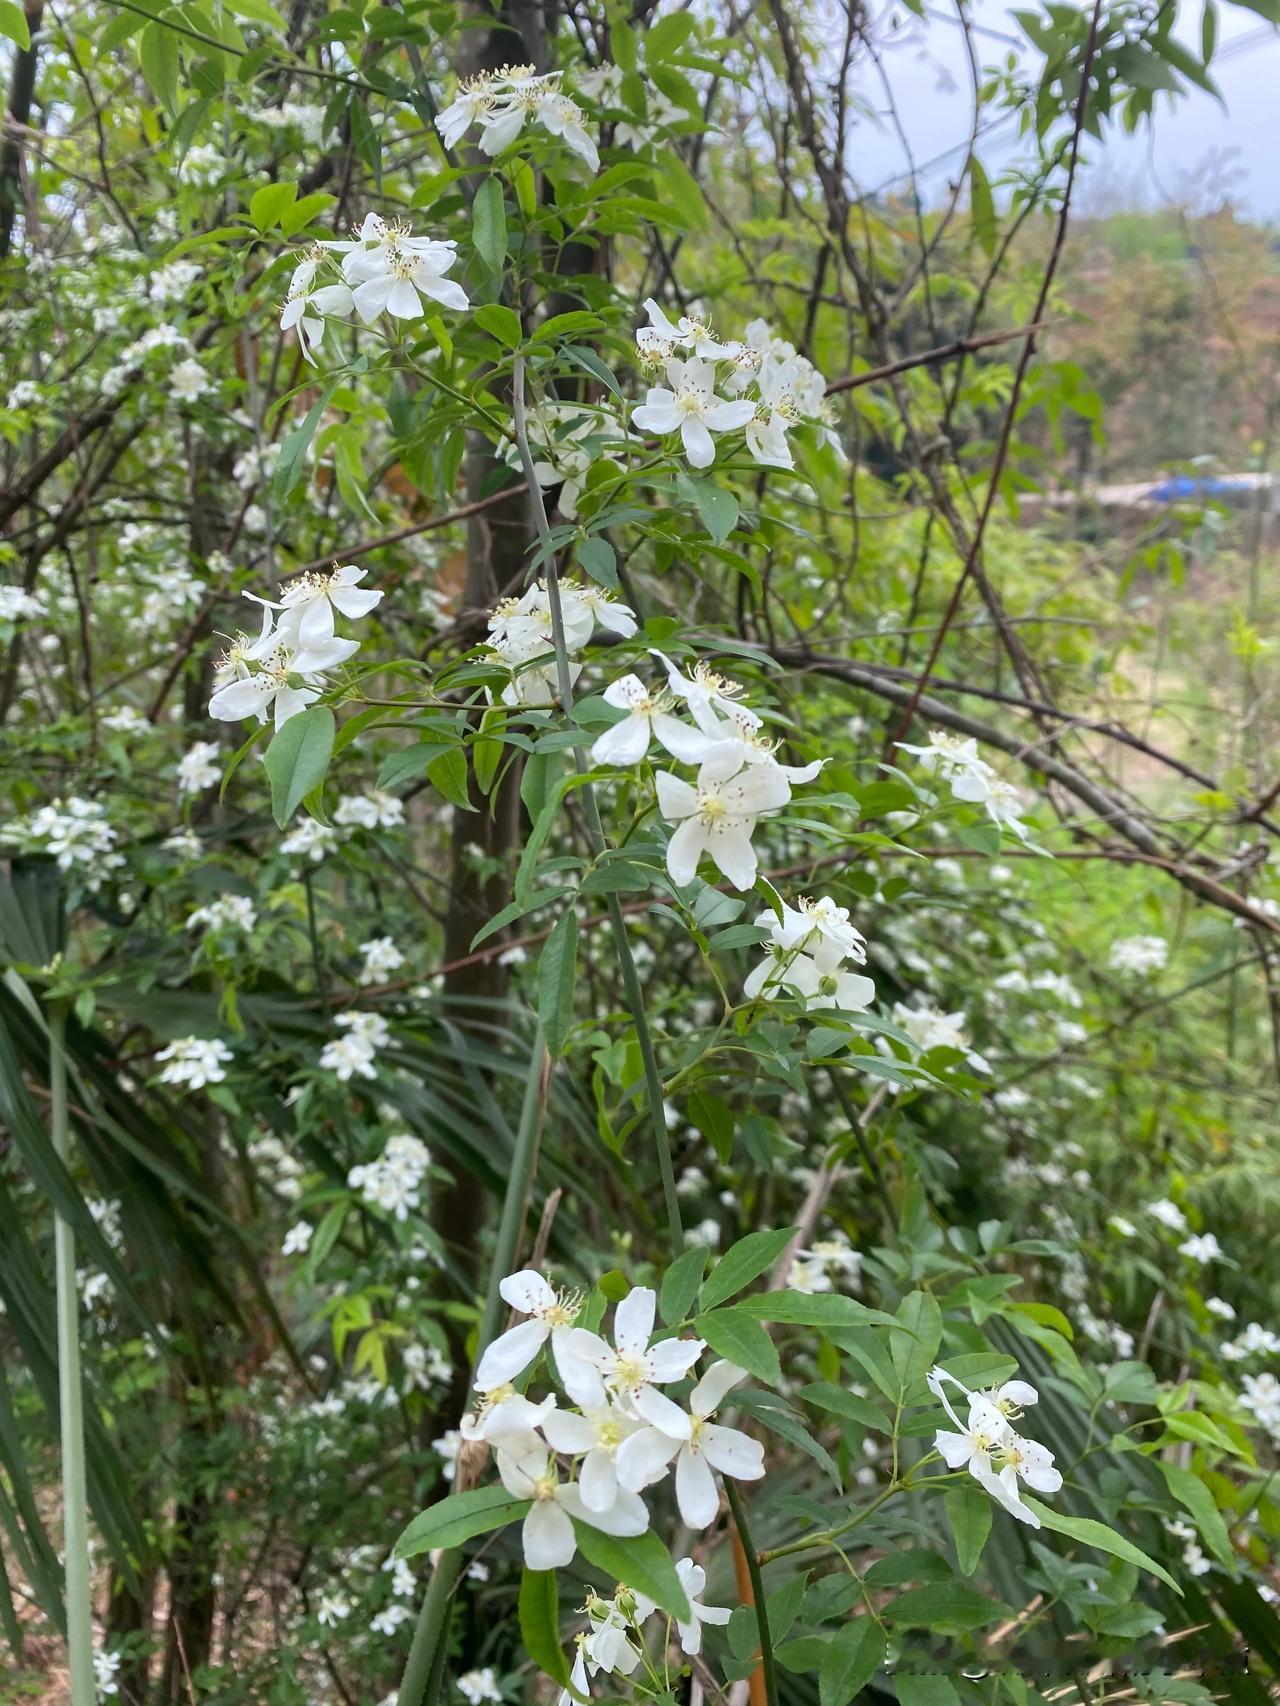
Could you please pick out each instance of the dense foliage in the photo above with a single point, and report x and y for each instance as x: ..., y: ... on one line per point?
x: 629, y: 972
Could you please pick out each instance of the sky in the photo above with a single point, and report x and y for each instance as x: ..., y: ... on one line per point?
x: 1197, y: 143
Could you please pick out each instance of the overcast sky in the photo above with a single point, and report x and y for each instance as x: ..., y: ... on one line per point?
x: 1238, y: 145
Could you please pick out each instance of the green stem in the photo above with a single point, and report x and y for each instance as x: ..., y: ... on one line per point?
x: 757, y: 1591
x: 75, y: 1505
x: 424, y: 1668
x: 830, y: 1534
x: 595, y: 831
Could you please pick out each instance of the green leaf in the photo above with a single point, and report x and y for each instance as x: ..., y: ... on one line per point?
x: 1097, y: 1534
x: 303, y: 212
x: 947, y: 1608
x: 158, y: 53
x: 741, y: 1340
x: 642, y: 1562
x: 717, y: 508
x: 853, y: 1656
x: 847, y: 1405
x: 293, y: 451
x: 813, y: 1309
x: 258, y: 12
x: 586, y: 358
x: 298, y: 758
x: 489, y: 226
x: 1191, y: 1492
x: 268, y: 205
x: 448, y: 773
x: 969, y: 1513
x: 540, y: 1623
x: 780, y: 1418
x: 925, y: 1690
x: 13, y: 23
x: 600, y: 561
x: 461, y: 1517
x: 742, y: 1262
x: 680, y: 1285
x: 557, y: 969
x: 567, y: 325
x: 982, y: 207
x: 915, y: 1349
x: 500, y: 322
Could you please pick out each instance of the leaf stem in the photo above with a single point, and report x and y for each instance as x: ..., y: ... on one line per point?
x: 595, y: 831
x: 424, y: 1668
x: 75, y: 1510
x: 757, y: 1591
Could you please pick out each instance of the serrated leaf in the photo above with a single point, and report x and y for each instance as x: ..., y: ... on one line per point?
x: 915, y: 1348
x: 459, y: 1518
x: 268, y: 205
x: 743, y: 1262
x: 642, y: 1562
x: 1191, y: 1492
x: 557, y: 970
x: 298, y: 759
x: 448, y: 773
x: 742, y: 1340
x: 853, y: 1656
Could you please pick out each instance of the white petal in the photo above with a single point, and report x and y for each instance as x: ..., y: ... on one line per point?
x: 628, y: 1515
x: 699, y: 446
x: 676, y: 797
x: 527, y: 1291
x: 634, y: 1318
x: 643, y: 1457
x: 673, y: 1358
x: 625, y: 743
x: 708, y: 1394
x: 510, y: 1354
x: 696, y: 1490
x: 660, y: 1412
x: 548, y: 1537
x: 568, y: 1433
x: 598, y: 1481
x: 684, y: 850
x: 733, y: 1452
x: 732, y: 851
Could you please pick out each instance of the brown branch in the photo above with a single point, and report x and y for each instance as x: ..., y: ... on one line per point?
x: 943, y: 352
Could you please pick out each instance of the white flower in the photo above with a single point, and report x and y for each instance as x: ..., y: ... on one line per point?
x: 477, y: 1686
x: 775, y: 413
x: 701, y: 1446
x: 230, y: 912
x: 287, y: 683
x: 391, y: 1183
x: 806, y: 953
x: 105, y: 1666
x: 296, y: 1239
x: 987, y: 1439
x: 688, y: 332
x: 836, y: 1257
x: 691, y: 407
x: 928, y: 1028
x: 308, y: 306
x: 199, y: 767
x: 187, y: 380
x: 194, y: 1061
x: 718, y: 816
x: 503, y: 1413
x: 308, y: 605
x: 595, y: 1436
x: 375, y: 810
x: 1220, y: 1307
x: 389, y: 269
x: 630, y: 1369
x: 310, y: 840
x: 627, y: 742
x: 332, y: 1608
x: 1168, y: 1214
x: 693, y: 1579
x: 390, y: 1618
x: 547, y: 1533
x: 381, y: 958
x: 1202, y: 1247
x: 551, y: 1316
x: 355, y: 1053
x: 19, y: 606
x: 1138, y: 956
x: 1261, y: 1397
x: 564, y: 118
x: 446, y: 1449
x: 1126, y: 1228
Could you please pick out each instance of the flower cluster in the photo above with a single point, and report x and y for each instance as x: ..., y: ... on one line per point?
x: 502, y: 102
x: 228, y: 912
x: 392, y: 1182
x: 955, y: 759
x: 354, y: 1053
x: 761, y: 385
x: 739, y: 777
x: 806, y: 954
x: 282, y: 671
x: 520, y: 637
x: 567, y: 439
x: 198, y: 768
x: 1138, y: 956
x: 989, y: 1448
x: 614, y: 1637
x: 625, y: 1433
x: 194, y: 1062
x: 385, y: 269
x: 76, y: 834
